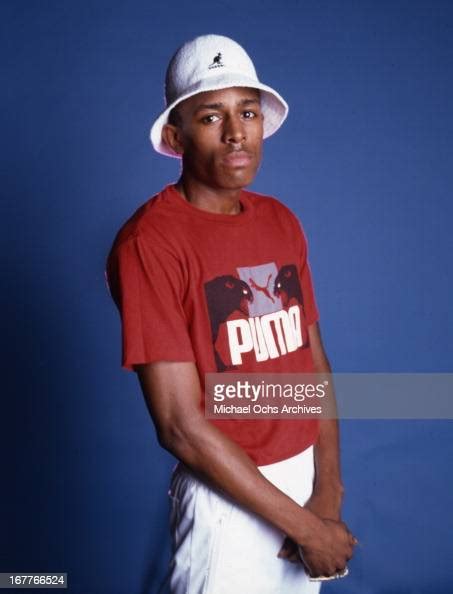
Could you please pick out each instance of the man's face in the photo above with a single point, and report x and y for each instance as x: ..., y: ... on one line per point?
x: 221, y: 136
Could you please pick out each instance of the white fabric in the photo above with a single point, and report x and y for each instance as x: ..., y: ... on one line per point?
x: 219, y: 548
x: 209, y: 63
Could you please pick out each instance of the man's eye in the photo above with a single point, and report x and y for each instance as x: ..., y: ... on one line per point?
x: 249, y: 114
x: 209, y: 118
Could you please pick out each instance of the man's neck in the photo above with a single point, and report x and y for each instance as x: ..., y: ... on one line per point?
x: 220, y: 201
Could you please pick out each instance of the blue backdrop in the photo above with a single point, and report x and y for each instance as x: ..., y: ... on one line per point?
x: 365, y: 161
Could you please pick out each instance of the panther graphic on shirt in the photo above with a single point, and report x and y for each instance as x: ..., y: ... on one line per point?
x: 257, y: 313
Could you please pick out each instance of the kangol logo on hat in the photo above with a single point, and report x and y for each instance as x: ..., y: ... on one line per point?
x: 216, y: 62
x: 231, y: 66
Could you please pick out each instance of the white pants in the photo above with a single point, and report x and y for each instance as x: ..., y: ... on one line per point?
x: 220, y: 548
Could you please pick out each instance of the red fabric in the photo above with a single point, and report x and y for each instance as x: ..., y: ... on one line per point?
x: 181, y: 276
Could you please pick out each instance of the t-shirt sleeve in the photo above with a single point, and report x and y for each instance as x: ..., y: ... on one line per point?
x: 146, y: 282
x: 305, y: 276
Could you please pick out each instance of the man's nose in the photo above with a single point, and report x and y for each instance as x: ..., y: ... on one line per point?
x: 233, y: 131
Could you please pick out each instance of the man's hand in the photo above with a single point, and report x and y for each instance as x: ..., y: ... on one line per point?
x: 326, y: 553
x: 326, y: 505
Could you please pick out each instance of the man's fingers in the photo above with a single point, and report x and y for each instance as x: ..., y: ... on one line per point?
x: 294, y: 558
x: 286, y: 549
x: 289, y: 551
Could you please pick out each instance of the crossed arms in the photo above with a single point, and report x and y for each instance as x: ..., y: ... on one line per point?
x: 172, y: 394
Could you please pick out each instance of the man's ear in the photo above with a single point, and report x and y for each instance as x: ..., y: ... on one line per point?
x: 172, y: 136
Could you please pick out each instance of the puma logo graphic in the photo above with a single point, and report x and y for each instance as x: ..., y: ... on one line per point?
x: 263, y: 288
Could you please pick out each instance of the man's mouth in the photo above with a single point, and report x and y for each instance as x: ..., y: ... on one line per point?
x: 237, y: 159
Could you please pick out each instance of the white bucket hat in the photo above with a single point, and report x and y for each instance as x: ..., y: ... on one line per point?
x: 210, y: 63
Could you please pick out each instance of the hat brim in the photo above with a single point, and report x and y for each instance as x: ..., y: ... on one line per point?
x: 274, y: 108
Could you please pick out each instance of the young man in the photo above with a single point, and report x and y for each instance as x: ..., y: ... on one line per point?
x: 255, y: 503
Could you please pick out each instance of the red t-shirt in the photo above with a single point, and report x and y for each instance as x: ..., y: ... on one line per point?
x: 193, y: 285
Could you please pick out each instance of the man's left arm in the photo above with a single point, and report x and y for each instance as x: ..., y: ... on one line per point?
x: 327, y: 495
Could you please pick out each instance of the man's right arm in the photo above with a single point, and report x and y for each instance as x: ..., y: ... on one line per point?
x: 172, y: 392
